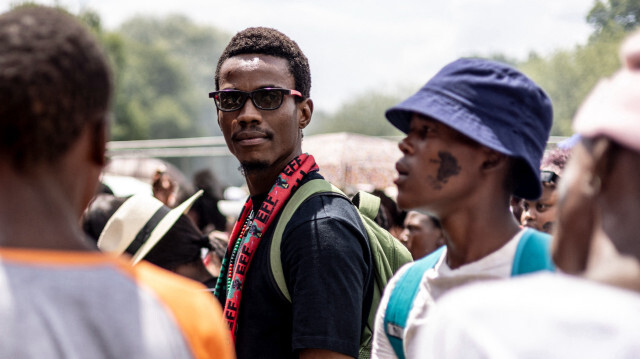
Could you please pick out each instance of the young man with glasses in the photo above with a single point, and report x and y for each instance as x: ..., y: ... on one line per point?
x: 263, y: 82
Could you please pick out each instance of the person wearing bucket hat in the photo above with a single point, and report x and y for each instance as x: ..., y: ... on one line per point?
x: 590, y: 309
x: 476, y: 133
x: 59, y: 296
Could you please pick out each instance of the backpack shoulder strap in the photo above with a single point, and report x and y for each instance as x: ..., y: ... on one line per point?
x: 533, y: 253
x: 367, y: 204
x: 300, y: 195
x: 402, y: 297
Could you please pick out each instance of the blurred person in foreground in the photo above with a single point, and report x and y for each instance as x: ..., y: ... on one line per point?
x: 60, y: 297
x: 422, y: 234
x: 263, y: 86
x: 592, y: 310
x: 476, y: 132
x: 630, y: 51
x: 541, y: 213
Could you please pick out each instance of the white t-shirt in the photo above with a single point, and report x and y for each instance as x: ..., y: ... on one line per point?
x: 435, y: 282
x: 542, y: 315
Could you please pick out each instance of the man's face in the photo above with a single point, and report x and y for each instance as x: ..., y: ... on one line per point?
x: 420, y: 235
x: 439, y: 167
x: 541, y: 214
x: 261, y: 139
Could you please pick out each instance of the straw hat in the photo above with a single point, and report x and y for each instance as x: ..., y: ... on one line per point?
x: 138, y: 225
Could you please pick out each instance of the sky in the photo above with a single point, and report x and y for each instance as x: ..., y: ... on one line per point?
x: 391, y: 46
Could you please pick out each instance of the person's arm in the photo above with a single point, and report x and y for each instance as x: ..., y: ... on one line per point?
x: 326, y: 263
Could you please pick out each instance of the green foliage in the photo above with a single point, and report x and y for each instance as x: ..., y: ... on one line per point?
x: 624, y: 14
x: 163, y: 69
x: 364, y: 115
x: 568, y: 76
x: 92, y: 19
x: 191, y: 52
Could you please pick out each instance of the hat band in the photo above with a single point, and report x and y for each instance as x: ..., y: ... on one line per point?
x: 145, y: 231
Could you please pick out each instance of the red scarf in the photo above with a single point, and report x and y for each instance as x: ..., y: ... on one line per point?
x: 247, y: 233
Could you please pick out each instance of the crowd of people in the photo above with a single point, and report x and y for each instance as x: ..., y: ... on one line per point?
x: 519, y: 251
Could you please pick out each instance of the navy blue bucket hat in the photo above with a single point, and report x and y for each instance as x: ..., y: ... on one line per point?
x: 494, y: 105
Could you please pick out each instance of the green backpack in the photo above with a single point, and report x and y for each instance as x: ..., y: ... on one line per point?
x: 387, y: 253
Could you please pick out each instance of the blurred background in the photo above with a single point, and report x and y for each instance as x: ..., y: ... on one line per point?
x: 365, y: 56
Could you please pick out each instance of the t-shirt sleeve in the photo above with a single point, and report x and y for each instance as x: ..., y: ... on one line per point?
x: 326, y: 262
x: 195, y: 310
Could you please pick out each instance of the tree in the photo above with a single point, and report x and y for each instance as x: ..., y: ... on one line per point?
x: 567, y: 76
x: 624, y: 14
x: 163, y: 69
x: 194, y: 51
x: 364, y: 115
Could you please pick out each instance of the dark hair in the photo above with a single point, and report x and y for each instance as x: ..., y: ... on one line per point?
x: 517, y: 173
x: 181, y: 244
x: 556, y: 159
x: 267, y: 41
x: 54, y: 81
x: 101, y: 208
x: 435, y: 221
x: 390, y: 215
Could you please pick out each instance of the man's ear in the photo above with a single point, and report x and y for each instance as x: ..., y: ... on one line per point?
x: 603, y: 152
x: 493, y: 159
x: 305, y: 110
x: 99, y: 143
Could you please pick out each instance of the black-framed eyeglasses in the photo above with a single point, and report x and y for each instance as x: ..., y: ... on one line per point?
x: 264, y: 99
x: 549, y: 177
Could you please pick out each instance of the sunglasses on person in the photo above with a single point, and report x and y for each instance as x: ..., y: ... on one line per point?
x: 549, y: 177
x: 264, y: 99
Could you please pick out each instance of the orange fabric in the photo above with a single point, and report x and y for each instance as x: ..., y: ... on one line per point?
x: 199, y: 317
x: 53, y: 257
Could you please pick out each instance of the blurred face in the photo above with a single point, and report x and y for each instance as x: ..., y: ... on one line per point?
x: 420, y: 235
x: 439, y: 167
x: 262, y: 139
x: 541, y: 214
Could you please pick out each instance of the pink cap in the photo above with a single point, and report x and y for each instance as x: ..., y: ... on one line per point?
x: 612, y: 109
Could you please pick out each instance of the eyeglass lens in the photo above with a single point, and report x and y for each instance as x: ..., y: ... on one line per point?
x: 265, y: 99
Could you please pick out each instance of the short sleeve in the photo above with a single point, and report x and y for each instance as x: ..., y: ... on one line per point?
x: 326, y: 263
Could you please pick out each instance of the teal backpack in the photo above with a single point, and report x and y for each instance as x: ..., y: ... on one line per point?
x: 387, y: 253
x: 532, y: 254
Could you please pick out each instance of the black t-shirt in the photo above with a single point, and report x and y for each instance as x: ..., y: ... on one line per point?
x: 327, y: 265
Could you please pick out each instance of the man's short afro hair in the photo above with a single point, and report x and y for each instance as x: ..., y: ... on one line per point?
x: 268, y: 41
x: 54, y: 80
